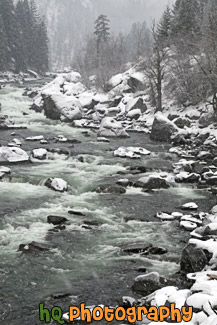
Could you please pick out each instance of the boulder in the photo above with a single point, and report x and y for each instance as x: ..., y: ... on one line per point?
x: 162, y: 128
x: 206, y: 119
x: 40, y: 154
x: 60, y: 107
x: 135, y: 248
x: 193, y: 259
x: 56, y: 184
x: 13, y: 155
x: 111, y: 189
x: 136, y: 81
x: 185, y: 177
x: 56, y: 220
x: 5, y: 123
x: 111, y: 128
x: 33, y: 248
x: 181, y: 122
x: 134, y: 114
x: 131, y: 152
x: 147, y: 283
x: 152, y: 182
x: 136, y: 103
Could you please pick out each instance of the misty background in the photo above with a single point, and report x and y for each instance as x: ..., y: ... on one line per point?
x: 70, y: 21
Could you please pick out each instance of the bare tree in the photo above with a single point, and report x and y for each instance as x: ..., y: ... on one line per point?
x: 155, y: 68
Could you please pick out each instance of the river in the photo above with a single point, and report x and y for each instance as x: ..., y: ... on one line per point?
x: 84, y: 265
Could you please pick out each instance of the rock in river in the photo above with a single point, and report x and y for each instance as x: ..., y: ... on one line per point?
x: 40, y: 154
x: 56, y: 184
x: 56, y: 220
x: 152, y: 182
x: 162, y: 128
x: 111, y: 189
x: 13, y: 155
x: 111, y: 128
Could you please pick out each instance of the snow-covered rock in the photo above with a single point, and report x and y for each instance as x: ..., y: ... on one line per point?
x: 188, y: 225
x: 152, y: 182
x: 56, y: 184
x: 35, y: 138
x: 40, y: 153
x: 134, y: 114
x: 136, y: 103
x: 62, y: 107
x: 190, y: 206
x: 126, y: 153
x: 131, y: 152
x: 162, y: 128
x: 111, y: 128
x: 165, y: 216
x: 13, y: 155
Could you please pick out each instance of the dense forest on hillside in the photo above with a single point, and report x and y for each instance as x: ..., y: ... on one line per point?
x: 23, y: 37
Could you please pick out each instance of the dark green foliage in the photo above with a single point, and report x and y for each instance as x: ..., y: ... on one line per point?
x: 23, y: 37
x: 164, y: 27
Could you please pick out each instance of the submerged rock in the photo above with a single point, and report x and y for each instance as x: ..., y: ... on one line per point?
x: 111, y: 189
x: 33, y: 247
x: 137, y: 247
x: 56, y: 184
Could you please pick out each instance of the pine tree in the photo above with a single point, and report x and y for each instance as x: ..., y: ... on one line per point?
x: 4, y: 46
x: 186, y: 20
x: 102, y: 33
x: 14, y: 35
x: 164, y: 27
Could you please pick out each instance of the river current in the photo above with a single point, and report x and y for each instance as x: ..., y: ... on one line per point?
x: 84, y: 265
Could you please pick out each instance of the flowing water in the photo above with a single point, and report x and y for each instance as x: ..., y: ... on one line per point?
x: 84, y: 265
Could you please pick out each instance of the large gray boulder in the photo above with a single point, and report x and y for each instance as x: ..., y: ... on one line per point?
x: 193, y: 259
x: 111, y: 128
x: 136, y: 103
x: 162, y: 128
x: 147, y: 283
x: 13, y: 155
x: 61, y: 107
x: 152, y: 182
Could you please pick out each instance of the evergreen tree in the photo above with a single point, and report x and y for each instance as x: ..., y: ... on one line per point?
x: 4, y: 46
x: 23, y: 37
x: 164, y: 27
x: 102, y: 33
x: 186, y: 20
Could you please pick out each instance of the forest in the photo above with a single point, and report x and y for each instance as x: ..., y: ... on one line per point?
x: 23, y: 37
x: 185, y: 40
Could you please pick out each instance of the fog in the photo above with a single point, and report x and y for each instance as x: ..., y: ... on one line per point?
x: 70, y: 20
